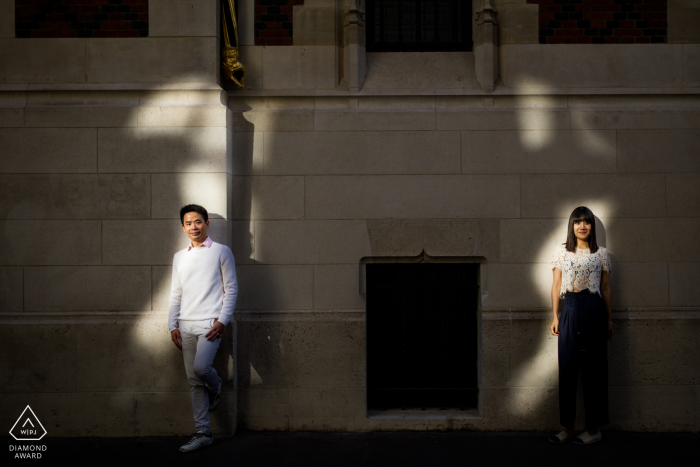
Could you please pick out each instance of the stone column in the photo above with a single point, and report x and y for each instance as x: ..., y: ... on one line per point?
x: 354, y: 55
x: 486, y: 47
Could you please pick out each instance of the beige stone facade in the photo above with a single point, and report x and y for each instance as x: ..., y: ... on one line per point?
x: 328, y: 158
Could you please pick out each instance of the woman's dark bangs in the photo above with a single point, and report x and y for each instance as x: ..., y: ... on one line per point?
x: 582, y: 214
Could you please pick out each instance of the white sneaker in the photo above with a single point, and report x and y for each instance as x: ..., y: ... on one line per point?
x: 561, y: 437
x: 585, y: 438
x: 214, y: 397
x: 197, y: 441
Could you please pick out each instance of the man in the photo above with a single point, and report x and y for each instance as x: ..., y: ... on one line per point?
x: 202, y: 298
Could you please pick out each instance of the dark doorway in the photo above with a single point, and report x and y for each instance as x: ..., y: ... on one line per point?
x: 422, y: 335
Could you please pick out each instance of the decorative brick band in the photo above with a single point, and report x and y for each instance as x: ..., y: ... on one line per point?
x: 273, y: 21
x: 602, y: 21
x: 81, y: 18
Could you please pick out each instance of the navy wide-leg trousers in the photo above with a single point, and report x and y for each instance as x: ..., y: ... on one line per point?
x: 583, y: 348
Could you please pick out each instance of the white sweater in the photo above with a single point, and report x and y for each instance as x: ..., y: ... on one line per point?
x: 203, y: 285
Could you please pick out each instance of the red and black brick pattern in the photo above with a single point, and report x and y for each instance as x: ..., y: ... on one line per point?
x: 602, y: 21
x: 81, y: 18
x: 273, y: 21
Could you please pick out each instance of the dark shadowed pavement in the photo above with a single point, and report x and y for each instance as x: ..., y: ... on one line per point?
x: 458, y: 448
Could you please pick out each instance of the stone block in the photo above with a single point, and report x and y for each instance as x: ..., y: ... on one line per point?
x: 169, y: 192
x: 375, y: 121
x: 314, y: 24
x: 182, y: 116
x: 437, y: 237
x: 579, y: 65
x: 11, y: 118
x: 301, y: 354
x: 268, y: 197
x: 547, y: 234
x: 668, y: 408
x: 326, y: 403
x: 682, y: 195
x: 691, y: 64
x: 621, y: 354
x: 482, y: 119
x: 252, y: 58
x: 243, y: 241
x: 650, y: 151
x: 159, y: 240
x: 311, y: 242
x: 245, y: 153
x: 87, y: 288
x: 542, y: 151
x: 189, y: 97
x: 263, y: 287
x: 518, y: 23
x: 254, y: 120
x: 42, y: 60
x: 337, y: 287
x: 521, y: 408
x: 517, y: 286
x: 44, y: 358
x: 634, y: 120
x: 495, y: 353
x: 48, y: 150
x: 624, y: 408
x: 262, y: 408
x: 294, y: 67
x: 7, y: 18
x: 178, y: 422
x: 534, y: 354
x: 420, y: 70
x: 683, y: 20
x: 412, y: 196
x: 121, y: 357
x: 162, y: 149
x: 608, y: 196
x: 394, y: 152
x: 60, y: 196
x: 161, y: 277
x: 49, y: 242
x: 81, y: 118
x: 11, y: 289
x: 273, y: 103
x: 665, y: 352
x: 152, y: 60
x: 683, y: 280
x: 76, y: 413
x: 672, y: 239
x: 640, y: 284
x: 168, y: 18
x: 246, y: 22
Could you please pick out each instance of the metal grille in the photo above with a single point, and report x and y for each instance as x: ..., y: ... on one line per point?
x: 422, y: 335
x: 419, y: 25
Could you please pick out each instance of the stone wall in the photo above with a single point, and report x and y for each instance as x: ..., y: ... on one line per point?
x: 307, y: 175
x: 336, y: 180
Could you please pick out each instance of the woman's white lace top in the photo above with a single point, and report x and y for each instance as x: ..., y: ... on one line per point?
x: 580, y: 270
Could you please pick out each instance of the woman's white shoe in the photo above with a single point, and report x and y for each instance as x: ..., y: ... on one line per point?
x: 561, y: 438
x: 585, y: 438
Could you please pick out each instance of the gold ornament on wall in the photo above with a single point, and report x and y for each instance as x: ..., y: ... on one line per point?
x: 233, y: 68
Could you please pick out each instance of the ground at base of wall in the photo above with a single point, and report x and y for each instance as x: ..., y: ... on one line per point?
x: 381, y: 449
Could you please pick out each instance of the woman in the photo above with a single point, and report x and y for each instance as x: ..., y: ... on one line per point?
x: 581, y: 270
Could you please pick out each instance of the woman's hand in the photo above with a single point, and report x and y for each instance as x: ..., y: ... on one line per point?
x: 555, y: 327
x: 610, y: 331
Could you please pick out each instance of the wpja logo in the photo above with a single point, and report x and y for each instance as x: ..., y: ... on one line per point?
x: 28, y: 428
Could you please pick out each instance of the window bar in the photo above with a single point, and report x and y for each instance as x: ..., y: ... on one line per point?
x: 418, y: 20
x: 382, y: 8
x: 442, y: 350
x: 400, y: 11
x: 425, y: 303
x: 403, y: 347
x: 436, y: 4
x: 455, y: 22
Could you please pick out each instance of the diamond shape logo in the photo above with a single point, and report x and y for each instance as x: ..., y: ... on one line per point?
x: 28, y: 427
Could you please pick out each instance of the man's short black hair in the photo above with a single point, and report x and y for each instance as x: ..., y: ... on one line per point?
x: 193, y: 208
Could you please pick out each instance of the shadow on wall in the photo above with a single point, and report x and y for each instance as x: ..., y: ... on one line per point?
x: 95, y: 253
